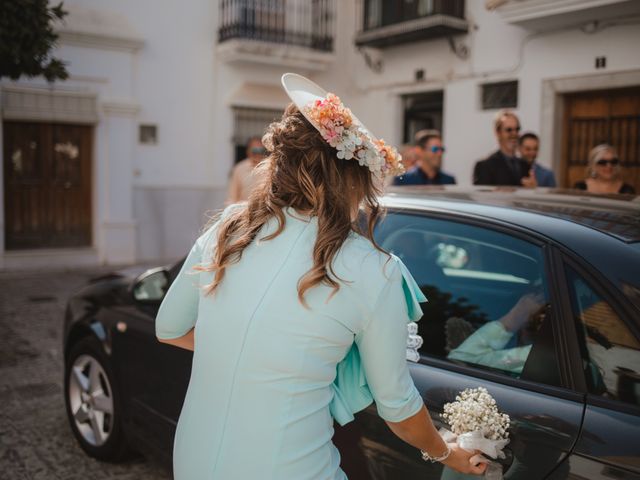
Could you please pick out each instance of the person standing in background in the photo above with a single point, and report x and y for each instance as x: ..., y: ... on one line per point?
x: 503, y: 167
x: 410, y: 156
x: 427, y: 170
x: 528, y: 145
x: 243, y: 177
x: 604, y: 173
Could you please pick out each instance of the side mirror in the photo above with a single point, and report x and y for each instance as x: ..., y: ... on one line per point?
x: 151, y: 286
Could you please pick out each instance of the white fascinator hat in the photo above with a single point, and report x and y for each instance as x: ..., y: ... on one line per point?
x: 340, y: 128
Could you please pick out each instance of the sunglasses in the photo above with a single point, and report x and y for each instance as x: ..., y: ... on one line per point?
x: 258, y: 151
x: 436, y: 149
x: 511, y: 129
x: 614, y: 162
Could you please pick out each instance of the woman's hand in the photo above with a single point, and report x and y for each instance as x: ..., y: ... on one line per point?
x: 521, y: 312
x: 420, y: 432
x: 460, y: 460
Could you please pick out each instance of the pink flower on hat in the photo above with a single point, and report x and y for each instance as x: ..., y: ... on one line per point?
x: 335, y: 124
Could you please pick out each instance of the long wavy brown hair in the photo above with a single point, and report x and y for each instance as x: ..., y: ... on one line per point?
x: 303, y: 172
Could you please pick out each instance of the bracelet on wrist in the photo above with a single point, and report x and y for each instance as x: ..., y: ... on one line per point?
x: 428, y: 458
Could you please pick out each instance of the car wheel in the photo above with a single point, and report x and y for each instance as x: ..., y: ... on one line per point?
x: 93, y: 403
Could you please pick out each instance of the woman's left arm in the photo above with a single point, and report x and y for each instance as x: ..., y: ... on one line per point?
x: 178, y: 312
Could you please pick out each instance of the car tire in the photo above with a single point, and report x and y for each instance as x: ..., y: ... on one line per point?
x: 93, y: 404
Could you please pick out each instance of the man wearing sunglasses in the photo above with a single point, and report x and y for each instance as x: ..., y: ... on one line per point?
x: 504, y: 167
x: 427, y: 170
x: 243, y: 178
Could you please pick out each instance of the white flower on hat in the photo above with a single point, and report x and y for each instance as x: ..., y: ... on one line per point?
x: 336, y: 125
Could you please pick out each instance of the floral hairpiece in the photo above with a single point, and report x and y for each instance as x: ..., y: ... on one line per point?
x: 335, y: 123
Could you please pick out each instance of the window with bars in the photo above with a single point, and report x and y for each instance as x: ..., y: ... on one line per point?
x: 250, y: 122
x: 500, y: 95
x: 384, y: 23
x: 379, y: 13
x: 305, y: 23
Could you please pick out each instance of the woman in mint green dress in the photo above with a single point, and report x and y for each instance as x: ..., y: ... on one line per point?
x: 295, y: 317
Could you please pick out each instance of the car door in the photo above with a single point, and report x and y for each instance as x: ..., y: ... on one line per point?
x: 608, y: 342
x: 155, y: 375
x: 475, y: 275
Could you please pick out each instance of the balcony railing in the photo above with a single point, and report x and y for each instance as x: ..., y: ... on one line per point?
x: 386, y: 23
x: 303, y: 23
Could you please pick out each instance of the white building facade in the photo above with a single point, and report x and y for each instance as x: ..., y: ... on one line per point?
x: 121, y: 162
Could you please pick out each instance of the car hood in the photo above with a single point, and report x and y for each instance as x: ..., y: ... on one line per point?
x: 108, y: 289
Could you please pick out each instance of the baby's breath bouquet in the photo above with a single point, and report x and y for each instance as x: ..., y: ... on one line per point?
x: 476, y: 424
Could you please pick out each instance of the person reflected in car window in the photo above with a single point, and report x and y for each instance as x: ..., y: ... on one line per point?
x: 504, y: 344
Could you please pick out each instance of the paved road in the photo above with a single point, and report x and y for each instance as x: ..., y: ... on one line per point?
x: 35, y: 438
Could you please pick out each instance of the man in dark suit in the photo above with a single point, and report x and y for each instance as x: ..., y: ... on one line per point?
x: 503, y: 167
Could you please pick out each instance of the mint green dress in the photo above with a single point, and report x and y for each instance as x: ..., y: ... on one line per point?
x: 269, y: 376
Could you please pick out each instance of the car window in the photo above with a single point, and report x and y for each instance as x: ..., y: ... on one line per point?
x: 610, y: 351
x: 486, y: 290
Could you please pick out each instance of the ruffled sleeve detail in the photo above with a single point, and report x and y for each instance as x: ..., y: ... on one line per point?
x: 352, y: 392
x: 412, y: 293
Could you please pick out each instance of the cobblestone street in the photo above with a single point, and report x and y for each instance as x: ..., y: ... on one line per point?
x: 35, y: 439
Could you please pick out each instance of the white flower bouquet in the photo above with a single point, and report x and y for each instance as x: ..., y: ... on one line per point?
x: 476, y: 424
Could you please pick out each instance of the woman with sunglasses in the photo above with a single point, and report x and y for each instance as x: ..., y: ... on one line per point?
x: 604, y: 172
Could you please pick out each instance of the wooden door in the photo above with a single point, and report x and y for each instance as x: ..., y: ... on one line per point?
x: 591, y: 118
x: 47, y: 185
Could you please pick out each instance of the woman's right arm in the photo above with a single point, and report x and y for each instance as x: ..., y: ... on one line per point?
x: 419, y: 431
x: 382, y: 346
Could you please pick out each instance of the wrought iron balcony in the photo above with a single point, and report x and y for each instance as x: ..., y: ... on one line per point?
x: 386, y: 23
x: 302, y: 23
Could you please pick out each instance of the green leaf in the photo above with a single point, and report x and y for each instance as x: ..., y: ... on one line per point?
x: 27, y: 39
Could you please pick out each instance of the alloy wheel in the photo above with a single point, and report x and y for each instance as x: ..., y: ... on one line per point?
x: 91, y: 400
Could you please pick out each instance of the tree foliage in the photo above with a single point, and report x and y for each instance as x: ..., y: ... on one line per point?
x: 27, y: 38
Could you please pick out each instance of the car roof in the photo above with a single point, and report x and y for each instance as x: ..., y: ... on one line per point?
x: 614, y: 215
